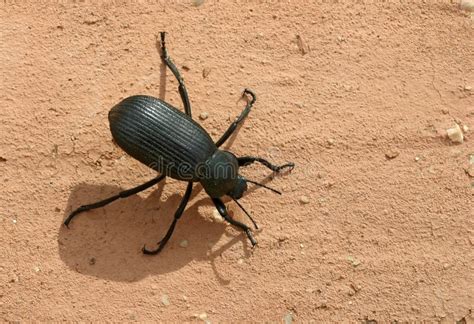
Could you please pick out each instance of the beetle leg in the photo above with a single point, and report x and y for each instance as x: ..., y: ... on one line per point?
x: 223, y: 211
x: 239, y: 119
x: 182, y: 88
x: 123, y: 194
x: 247, y: 160
x: 177, y: 215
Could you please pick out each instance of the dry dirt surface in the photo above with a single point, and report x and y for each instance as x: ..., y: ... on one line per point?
x: 375, y: 223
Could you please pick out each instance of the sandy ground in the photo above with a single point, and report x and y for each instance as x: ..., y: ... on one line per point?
x: 359, y: 96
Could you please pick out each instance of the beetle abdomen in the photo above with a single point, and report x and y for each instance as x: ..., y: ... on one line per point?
x: 160, y: 136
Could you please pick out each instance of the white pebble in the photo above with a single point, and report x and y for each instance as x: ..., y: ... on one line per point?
x: 184, y: 243
x: 165, y: 300
x: 455, y: 134
x: 216, y: 217
x: 240, y: 261
x: 304, y: 200
x: 14, y: 221
x: 465, y: 129
x: 37, y: 269
x: 203, y: 116
x: 202, y: 316
x: 467, y: 5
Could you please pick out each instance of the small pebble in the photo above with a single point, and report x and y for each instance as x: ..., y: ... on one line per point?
x: 355, y: 262
x: 14, y: 221
x: 206, y: 72
x: 304, y: 200
x: 288, y: 318
x: 92, y: 261
x: 465, y: 129
x: 216, y: 217
x: 37, y: 269
x: 14, y: 278
x: 467, y: 88
x: 203, y: 116
x: 467, y: 5
x: 445, y: 111
x: 391, y: 154
x: 470, y: 171
x: 165, y: 300
x: 184, y: 243
x: 455, y: 134
x: 417, y: 158
x: 240, y: 261
x: 197, y: 3
x: 131, y: 315
x: 202, y: 316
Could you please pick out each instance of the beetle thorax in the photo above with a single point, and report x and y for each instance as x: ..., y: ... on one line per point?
x: 219, y: 175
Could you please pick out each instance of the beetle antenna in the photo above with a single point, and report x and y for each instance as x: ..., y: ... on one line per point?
x: 246, y: 212
x: 263, y: 186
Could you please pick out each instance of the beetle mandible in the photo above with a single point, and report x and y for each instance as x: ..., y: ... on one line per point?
x: 172, y: 143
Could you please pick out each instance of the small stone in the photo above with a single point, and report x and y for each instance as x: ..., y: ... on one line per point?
x: 445, y: 111
x: 203, y: 116
x: 288, y: 319
x: 202, y: 316
x: 197, y: 3
x: 14, y: 278
x: 165, y: 300
x: 455, y: 134
x: 304, y: 200
x: 14, y: 221
x: 216, y: 217
x: 355, y: 287
x: 36, y: 269
x: 57, y: 209
x: 302, y: 46
x: 465, y: 128
x: 205, y: 72
x: 354, y: 261
x: 417, y: 158
x: 131, y: 315
x: 467, y: 5
x: 240, y: 261
x: 470, y: 171
x: 184, y: 243
x: 467, y: 88
x: 301, y: 245
x: 92, y: 261
x: 391, y: 154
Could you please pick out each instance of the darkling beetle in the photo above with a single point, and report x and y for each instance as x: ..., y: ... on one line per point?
x: 172, y: 143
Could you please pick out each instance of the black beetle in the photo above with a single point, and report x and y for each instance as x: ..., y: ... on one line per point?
x: 172, y: 143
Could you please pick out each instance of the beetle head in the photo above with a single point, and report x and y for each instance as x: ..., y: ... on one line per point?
x: 219, y: 176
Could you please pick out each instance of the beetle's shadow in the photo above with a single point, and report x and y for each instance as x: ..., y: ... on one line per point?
x: 106, y: 242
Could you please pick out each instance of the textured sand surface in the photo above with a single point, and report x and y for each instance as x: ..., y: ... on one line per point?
x: 375, y: 222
